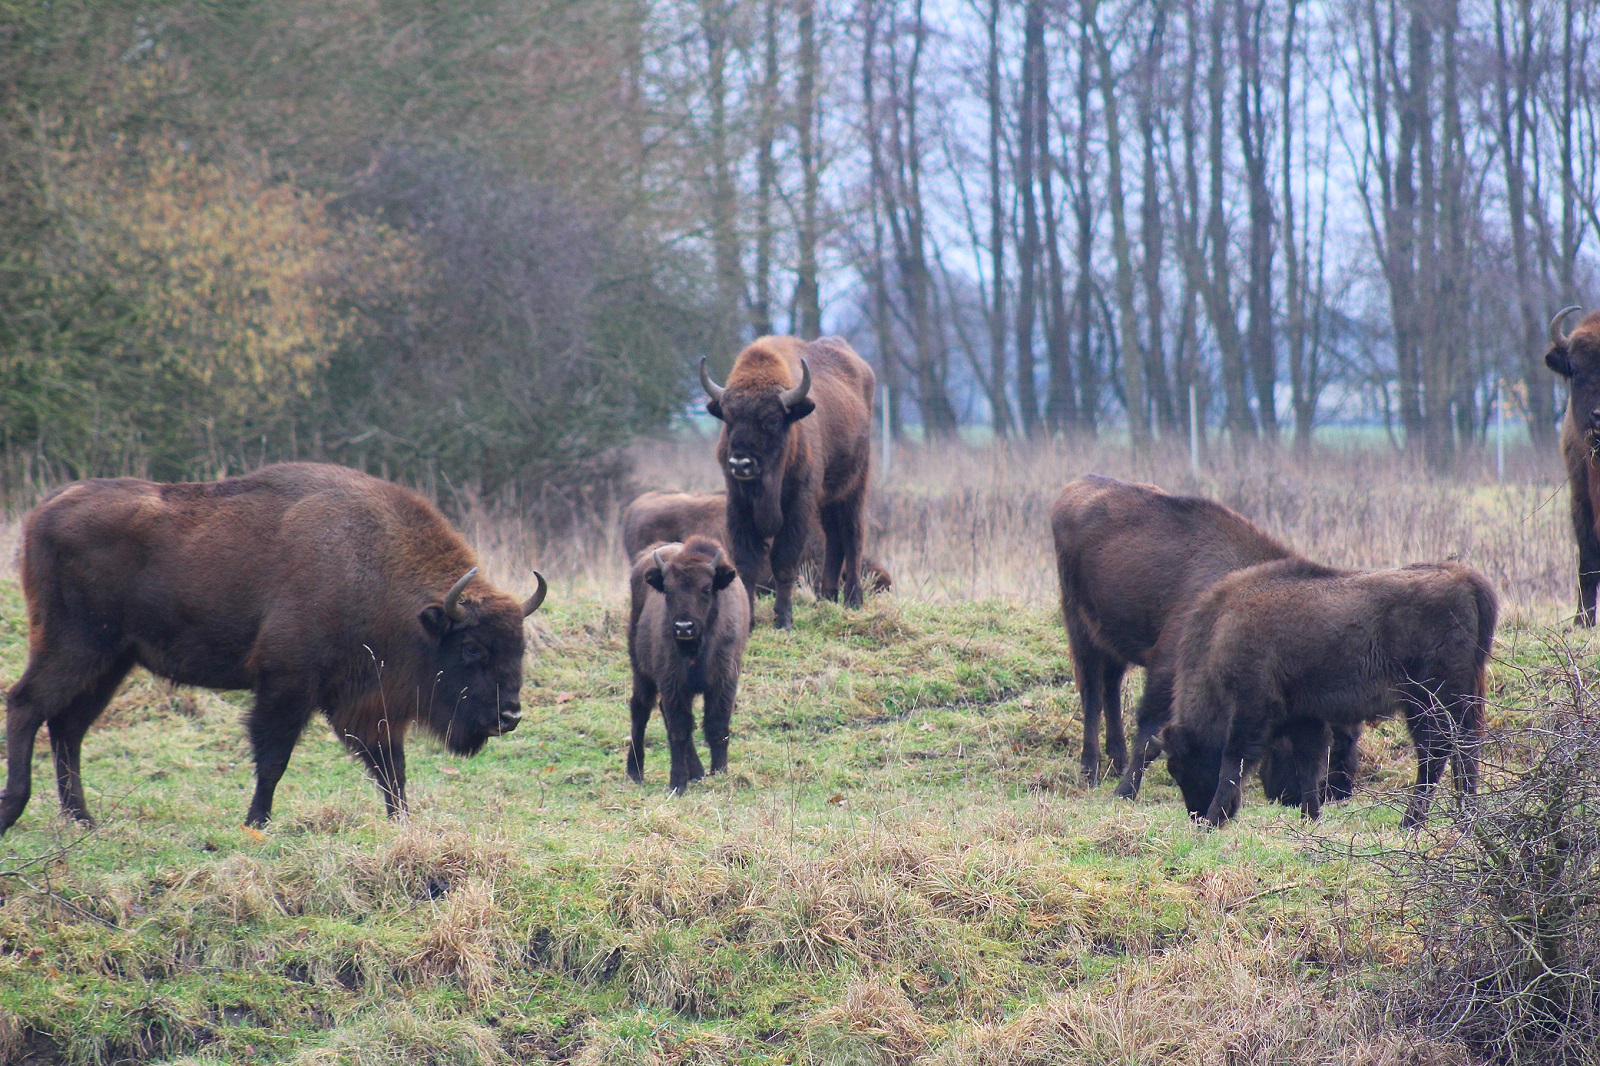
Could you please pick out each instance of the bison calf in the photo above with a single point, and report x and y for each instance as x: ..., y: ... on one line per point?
x: 315, y: 586
x: 686, y: 632
x: 1287, y: 650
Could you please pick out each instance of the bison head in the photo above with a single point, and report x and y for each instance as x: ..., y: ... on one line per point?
x: 477, y: 650
x: 1576, y: 357
x: 758, y: 422
x: 690, y: 579
x: 1195, y: 763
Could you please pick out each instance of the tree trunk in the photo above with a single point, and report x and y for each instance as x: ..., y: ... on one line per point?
x: 1028, y: 246
x: 1127, y: 322
x: 808, y: 296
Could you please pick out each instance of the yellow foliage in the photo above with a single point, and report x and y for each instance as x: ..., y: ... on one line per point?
x: 238, y: 288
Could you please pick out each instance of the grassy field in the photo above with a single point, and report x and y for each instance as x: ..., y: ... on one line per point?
x: 901, y: 866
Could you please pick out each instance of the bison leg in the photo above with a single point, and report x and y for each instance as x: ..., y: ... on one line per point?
x: 639, y: 706
x: 66, y: 738
x: 827, y: 584
x: 1309, y: 740
x: 1111, y: 693
x: 386, y: 761
x: 275, y: 724
x: 718, y: 715
x: 1344, y: 763
x: 787, y: 547
x: 1247, y: 737
x: 1089, y: 668
x: 844, y: 527
x: 1155, y: 708
x: 1431, y: 738
x: 1583, y: 521
x: 677, y: 708
x: 58, y: 683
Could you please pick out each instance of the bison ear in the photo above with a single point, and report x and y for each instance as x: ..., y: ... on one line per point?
x: 435, y: 621
x: 653, y: 578
x: 799, y: 410
x: 724, y: 578
x: 1558, y: 361
x: 714, y: 409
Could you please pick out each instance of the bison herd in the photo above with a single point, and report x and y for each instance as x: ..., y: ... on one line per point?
x: 319, y: 588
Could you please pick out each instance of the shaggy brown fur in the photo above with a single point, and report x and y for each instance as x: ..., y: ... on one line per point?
x: 790, y: 466
x: 1576, y: 357
x: 677, y: 516
x: 315, y: 586
x: 1287, y: 649
x: 687, y: 626
x: 1131, y: 559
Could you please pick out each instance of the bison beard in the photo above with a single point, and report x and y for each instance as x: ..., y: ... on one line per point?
x: 1286, y: 650
x: 314, y: 586
x: 795, y: 450
x: 1576, y: 357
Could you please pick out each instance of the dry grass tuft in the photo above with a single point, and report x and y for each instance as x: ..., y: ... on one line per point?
x: 461, y: 944
x: 1218, y: 1001
x: 404, y: 1035
x: 874, y: 1024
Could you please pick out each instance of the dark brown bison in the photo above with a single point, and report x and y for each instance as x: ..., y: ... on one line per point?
x: 677, y: 516
x: 315, y: 586
x: 1287, y: 649
x: 686, y: 632
x: 795, y: 450
x: 1576, y: 357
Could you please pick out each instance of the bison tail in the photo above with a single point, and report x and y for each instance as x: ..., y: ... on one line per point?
x: 1488, y: 615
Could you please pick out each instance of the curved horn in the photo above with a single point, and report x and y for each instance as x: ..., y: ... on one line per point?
x: 713, y: 390
x: 538, y: 595
x: 1558, y: 338
x: 656, y: 555
x: 790, y: 397
x: 452, y: 605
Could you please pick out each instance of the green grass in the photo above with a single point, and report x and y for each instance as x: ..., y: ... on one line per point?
x: 901, y: 866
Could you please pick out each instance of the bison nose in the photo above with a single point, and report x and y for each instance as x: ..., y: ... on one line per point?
x: 685, y: 630
x: 742, y: 467
x: 510, y: 715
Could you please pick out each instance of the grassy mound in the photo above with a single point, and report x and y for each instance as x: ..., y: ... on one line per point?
x: 900, y: 868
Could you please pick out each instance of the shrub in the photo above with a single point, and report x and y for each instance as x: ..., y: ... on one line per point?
x: 1503, y: 895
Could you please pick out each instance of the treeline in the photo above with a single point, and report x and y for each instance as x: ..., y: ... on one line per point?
x: 1058, y: 215
x: 426, y: 239
x: 480, y: 245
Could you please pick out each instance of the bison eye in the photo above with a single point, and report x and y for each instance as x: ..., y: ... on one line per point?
x: 473, y: 653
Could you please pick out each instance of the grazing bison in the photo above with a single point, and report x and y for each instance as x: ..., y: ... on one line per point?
x: 677, y: 516
x: 795, y: 449
x: 1287, y: 649
x: 686, y: 631
x: 315, y: 586
x: 1131, y: 559
x: 1576, y: 357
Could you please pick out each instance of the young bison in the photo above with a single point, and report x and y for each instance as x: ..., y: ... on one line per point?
x: 686, y: 632
x: 1286, y: 650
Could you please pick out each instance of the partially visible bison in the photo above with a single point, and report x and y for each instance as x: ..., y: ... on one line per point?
x: 795, y: 451
x: 1286, y: 650
x: 315, y: 586
x: 687, y: 627
x: 677, y: 516
x: 1576, y: 357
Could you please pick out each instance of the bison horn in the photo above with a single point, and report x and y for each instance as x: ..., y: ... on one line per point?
x: 538, y: 595
x: 452, y: 604
x: 656, y: 555
x: 790, y: 397
x: 713, y: 390
x: 1558, y: 338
